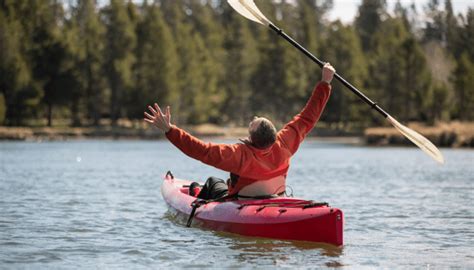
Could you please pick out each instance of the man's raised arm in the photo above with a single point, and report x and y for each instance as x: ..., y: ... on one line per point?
x: 293, y: 133
x: 222, y: 156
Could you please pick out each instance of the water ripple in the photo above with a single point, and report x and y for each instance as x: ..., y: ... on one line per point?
x: 401, y: 210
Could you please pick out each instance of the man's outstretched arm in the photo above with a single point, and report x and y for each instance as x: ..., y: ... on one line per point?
x: 293, y: 133
x: 222, y: 156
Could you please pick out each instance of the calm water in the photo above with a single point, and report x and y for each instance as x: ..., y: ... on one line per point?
x: 97, y: 204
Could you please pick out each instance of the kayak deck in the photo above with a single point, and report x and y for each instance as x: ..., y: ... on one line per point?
x: 283, y: 218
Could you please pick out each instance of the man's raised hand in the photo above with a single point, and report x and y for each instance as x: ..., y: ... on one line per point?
x: 158, y: 118
x: 328, y: 73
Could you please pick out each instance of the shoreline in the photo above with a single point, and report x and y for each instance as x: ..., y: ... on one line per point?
x: 451, y: 135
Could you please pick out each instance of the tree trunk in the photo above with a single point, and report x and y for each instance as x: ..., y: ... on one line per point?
x: 50, y: 114
x: 114, y: 102
x: 76, y: 121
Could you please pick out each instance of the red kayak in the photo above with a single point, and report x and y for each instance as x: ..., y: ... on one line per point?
x: 284, y: 218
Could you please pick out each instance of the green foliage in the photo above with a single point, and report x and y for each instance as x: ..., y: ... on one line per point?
x: 90, y: 43
x: 464, y: 88
x: 120, y: 43
x: 156, y: 67
x: 342, y: 48
x: 438, y: 101
x: 370, y: 16
x: 210, y: 64
x: 3, y: 109
x: 16, y: 84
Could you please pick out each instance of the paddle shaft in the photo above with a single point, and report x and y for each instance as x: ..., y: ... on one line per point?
x: 321, y: 64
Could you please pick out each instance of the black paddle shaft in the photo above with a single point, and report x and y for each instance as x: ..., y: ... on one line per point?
x: 321, y: 64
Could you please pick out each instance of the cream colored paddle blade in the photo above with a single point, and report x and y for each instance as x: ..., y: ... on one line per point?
x: 418, y: 139
x: 249, y: 10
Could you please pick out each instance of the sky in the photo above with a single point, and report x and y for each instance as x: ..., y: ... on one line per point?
x: 346, y: 10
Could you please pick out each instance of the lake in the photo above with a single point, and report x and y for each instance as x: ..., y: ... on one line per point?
x: 97, y: 204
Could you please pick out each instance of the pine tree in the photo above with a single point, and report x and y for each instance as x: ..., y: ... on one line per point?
x: 402, y: 78
x: 342, y: 49
x: 207, y: 25
x: 191, y: 51
x: 309, y: 30
x: 434, y: 26
x: 121, y: 43
x: 279, y: 73
x: 451, y: 26
x: 464, y: 88
x: 16, y: 84
x: 370, y: 16
x: 239, y: 65
x: 48, y: 55
x: 90, y: 37
x: 157, y: 62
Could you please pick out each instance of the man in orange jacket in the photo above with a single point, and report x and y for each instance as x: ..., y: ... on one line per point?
x: 258, y: 166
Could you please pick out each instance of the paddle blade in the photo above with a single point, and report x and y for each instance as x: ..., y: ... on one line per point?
x: 249, y: 10
x: 418, y: 139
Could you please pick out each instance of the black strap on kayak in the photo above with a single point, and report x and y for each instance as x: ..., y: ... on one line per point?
x: 303, y: 204
x: 195, y: 205
x: 315, y: 204
x: 199, y: 202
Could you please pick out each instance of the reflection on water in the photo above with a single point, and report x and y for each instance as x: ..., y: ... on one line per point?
x: 105, y: 209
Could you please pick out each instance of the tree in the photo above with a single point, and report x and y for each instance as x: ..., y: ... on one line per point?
x: 121, y: 43
x: 90, y: 41
x: 371, y: 13
x: 342, y: 48
x: 16, y: 84
x: 279, y: 74
x: 239, y: 65
x: 466, y: 36
x: 3, y: 109
x: 402, y: 78
x: 157, y: 63
x: 192, y: 70
x: 48, y: 54
x: 310, y: 30
x: 434, y: 26
x: 464, y: 88
x: 205, y: 23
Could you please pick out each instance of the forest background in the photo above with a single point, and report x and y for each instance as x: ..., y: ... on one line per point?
x: 75, y: 63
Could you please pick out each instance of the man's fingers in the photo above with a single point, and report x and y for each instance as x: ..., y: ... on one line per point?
x: 152, y: 110
x: 148, y: 120
x: 149, y: 116
x: 168, y: 113
x: 158, y: 109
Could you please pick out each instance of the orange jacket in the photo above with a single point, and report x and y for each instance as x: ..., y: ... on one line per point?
x: 249, y: 163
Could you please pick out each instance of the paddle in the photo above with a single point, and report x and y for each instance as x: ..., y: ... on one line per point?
x: 249, y: 10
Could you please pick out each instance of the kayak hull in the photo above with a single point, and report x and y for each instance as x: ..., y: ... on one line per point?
x: 279, y: 218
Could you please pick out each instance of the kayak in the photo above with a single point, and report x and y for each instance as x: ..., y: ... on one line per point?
x: 284, y: 218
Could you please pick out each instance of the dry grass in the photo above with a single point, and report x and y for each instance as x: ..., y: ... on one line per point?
x: 452, y: 134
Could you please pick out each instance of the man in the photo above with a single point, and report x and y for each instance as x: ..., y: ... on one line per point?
x: 258, y: 166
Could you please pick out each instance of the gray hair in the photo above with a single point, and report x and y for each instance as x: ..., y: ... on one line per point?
x: 264, y: 135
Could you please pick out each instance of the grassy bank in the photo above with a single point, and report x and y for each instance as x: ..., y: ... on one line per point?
x: 126, y: 131
x: 453, y: 134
